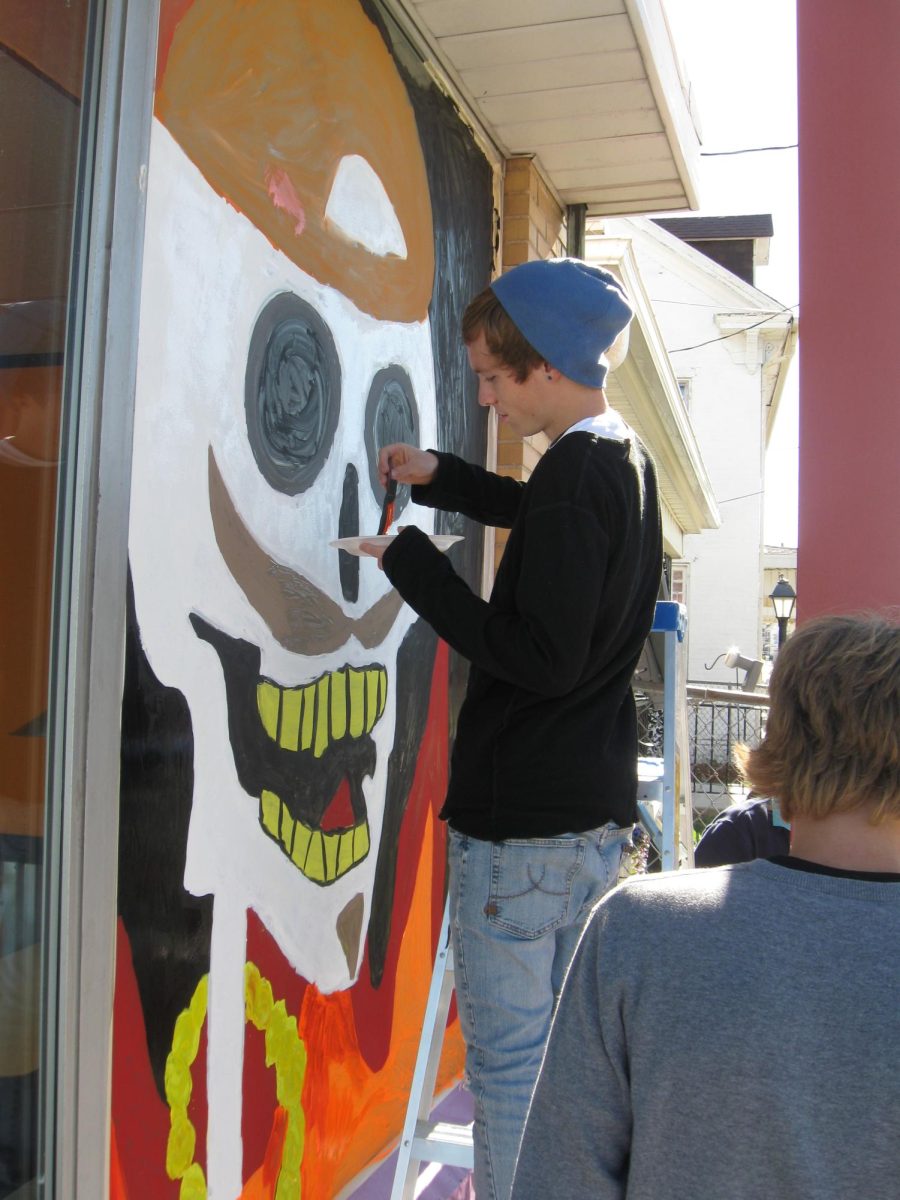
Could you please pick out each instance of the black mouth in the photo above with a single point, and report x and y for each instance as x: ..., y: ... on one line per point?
x: 303, y: 752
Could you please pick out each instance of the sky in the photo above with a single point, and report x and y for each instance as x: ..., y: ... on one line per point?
x: 740, y: 58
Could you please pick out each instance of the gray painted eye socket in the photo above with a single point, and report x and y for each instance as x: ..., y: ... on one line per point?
x: 292, y: 393
x: 391, y: 416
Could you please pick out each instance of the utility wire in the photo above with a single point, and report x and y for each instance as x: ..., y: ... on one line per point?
x: 735, y: 332
x: 748, y: 150
x: 746, y: 496
x: 685, y: 303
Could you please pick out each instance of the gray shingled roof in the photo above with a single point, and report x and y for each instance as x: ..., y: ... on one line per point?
x: 693, y: 229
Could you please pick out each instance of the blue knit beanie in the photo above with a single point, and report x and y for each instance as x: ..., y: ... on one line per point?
x: 569, y: 311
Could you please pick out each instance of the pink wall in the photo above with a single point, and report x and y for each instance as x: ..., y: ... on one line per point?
x: 849, y: 100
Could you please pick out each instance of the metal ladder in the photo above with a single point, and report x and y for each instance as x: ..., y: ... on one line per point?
x: 424, y: 1140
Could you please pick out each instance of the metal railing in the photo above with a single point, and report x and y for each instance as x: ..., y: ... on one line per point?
x: 717, y: 721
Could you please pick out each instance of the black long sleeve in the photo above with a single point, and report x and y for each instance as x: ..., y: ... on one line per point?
x: 546, y: 738
x: 540, y: 643
x: 462, y: 487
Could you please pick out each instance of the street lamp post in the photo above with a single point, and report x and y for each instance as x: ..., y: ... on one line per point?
x: 783, y: 599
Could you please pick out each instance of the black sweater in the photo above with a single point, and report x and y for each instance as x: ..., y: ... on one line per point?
x: 546, y: 740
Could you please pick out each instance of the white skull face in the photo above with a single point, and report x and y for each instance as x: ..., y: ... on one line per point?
x: 261, y: 398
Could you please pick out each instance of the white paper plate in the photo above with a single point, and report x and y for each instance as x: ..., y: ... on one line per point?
x: 443, y: 541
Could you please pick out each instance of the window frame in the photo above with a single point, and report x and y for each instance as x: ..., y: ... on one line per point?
x: 87, y: 630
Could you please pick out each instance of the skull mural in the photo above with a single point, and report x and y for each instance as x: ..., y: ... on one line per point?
x: 284, y: 336
x: 251, y: 456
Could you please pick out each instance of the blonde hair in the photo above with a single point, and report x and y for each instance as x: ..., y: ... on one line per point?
x: 832, y: 740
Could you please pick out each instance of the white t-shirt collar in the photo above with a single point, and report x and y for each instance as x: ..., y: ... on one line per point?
x: 608, y: 424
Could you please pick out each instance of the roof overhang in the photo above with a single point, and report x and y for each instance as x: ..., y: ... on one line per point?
x: 757, y: 328
x: 703, y: 232
x: 769, y: 338
x: 643, y: 388
x: 592, y: 89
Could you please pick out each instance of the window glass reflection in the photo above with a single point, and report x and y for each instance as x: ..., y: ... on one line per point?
x: 41, y: 66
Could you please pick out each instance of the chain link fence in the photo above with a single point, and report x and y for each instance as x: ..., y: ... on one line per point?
x: 717, y: 721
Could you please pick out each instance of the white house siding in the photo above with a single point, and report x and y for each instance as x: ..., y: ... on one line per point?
x: 726, y: 406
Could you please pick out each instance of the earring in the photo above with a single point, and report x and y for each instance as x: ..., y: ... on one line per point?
x: 549, y: 376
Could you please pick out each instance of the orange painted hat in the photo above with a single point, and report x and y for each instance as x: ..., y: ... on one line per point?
x: 268, y: 98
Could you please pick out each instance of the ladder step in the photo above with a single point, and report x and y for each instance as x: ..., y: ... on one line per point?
x: 423, y: 1139
x: 439, y: 1141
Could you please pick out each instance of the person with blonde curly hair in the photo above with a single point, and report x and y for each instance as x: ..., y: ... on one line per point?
x: 734, y: 1031
x: 832, y: 741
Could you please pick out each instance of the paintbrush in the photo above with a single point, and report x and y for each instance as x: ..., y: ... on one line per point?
x: 387, y: 508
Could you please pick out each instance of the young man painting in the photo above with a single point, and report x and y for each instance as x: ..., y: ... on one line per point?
x: 735, y: 1031
x: 541, y: 799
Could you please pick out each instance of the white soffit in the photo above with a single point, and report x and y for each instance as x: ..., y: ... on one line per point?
x: 591, y: 88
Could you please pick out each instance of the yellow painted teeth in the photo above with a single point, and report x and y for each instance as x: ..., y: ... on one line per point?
x: 312, y: 717
x: 321, y: 857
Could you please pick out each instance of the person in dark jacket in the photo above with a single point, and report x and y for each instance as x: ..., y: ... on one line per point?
x: 542, y: 791
x: 741, y: 833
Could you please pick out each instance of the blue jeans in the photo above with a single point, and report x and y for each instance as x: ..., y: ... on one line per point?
x: 517, y: 909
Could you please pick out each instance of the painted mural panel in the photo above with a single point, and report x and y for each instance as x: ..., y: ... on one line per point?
x: 317, y: 216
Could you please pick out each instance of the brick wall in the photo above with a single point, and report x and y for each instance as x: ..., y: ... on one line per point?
x: 533, y: 227
x: 533, y: 220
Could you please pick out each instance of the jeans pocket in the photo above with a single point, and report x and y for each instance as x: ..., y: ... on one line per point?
x: 531, y: 884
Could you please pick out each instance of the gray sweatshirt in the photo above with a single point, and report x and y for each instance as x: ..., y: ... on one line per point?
x: 725, y: 1034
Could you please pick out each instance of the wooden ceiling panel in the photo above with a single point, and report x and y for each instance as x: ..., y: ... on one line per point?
x: 561, y: 131
x: 673, y: 201
x: 585, y: 179
x: 606, y: 99
x: 665, y: 189
x: 606, y: 152
x: 540, y: 43
x: 590, y: 88
x: 446, y: 18
x: 579, y: 71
